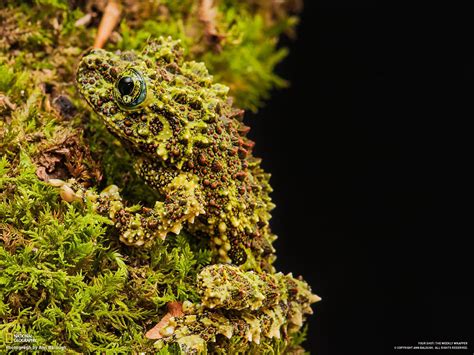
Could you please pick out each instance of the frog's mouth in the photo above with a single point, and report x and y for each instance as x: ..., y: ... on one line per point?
x: 96, y: 74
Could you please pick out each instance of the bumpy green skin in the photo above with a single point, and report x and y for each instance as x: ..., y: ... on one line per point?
x: 230, y: 288
x: 249, y: 305
x: 189, y: 144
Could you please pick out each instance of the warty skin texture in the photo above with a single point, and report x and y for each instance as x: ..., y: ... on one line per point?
x: 189, y: 144
x: 252, y: 306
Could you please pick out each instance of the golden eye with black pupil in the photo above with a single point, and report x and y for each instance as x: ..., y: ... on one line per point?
x: 130, y: 89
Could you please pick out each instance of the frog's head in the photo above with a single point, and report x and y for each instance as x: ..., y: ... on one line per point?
x: 144, y: 98
x: 118, y: 87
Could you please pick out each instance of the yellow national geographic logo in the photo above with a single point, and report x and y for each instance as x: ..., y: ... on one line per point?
x: 8, y: 337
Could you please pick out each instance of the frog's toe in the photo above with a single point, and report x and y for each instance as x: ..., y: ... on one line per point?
x: 68, y: 194
x: 65, y: 190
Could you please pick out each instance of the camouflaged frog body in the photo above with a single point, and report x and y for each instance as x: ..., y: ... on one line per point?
x: 189, y: 144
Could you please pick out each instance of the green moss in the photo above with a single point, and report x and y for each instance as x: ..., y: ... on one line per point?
x: 65, y: 278
x: 248, y: 59
x: 245, y: 55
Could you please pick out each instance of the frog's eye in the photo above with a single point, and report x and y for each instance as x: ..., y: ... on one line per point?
x: 130, y: 88
x: 125, y: 85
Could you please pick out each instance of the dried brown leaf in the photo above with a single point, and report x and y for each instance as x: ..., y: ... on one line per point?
x: 175, y: 309
x: 67, y: 156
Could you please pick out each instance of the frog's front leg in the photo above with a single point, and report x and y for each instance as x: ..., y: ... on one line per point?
x: 139, y: 225
x: 182, y: 203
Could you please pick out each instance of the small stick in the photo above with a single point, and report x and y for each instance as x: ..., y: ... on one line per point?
x: 207, y: 13
x: 5, y: 101
x: 110, y: 19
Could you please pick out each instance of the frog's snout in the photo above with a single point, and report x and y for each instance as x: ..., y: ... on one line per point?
x: 96, y: 71
x: 91, y: 59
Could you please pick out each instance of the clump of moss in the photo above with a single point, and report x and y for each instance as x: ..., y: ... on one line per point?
x: 67, y: 281
x: 237, y: 40
x: 64, y: 277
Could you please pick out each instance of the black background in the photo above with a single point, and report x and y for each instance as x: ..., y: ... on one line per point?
x: 369, y: 151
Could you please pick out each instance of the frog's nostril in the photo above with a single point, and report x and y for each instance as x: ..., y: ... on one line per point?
x: 88, y: 55
x: 91, y: 51
x: 87, y: 64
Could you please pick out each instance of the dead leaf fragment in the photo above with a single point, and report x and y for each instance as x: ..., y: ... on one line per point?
x: 5, y: 102
x: 175, y: 309
x: 207, y: 15
x: 67, y: 157
x: 84, y: 20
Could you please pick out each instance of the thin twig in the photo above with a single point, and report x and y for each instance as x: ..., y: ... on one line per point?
x: 110, y: 19
x: 207, y: 15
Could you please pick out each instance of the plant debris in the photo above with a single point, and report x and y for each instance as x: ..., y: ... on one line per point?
x: 109, y: 21
x: 67, y: 157
x: 175, y: 309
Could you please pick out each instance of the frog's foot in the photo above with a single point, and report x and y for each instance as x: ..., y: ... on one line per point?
x: 182, y: 204
x: 234, y: 303
x: 135, y: 228
x: 142, y: 227
x: 69, y: 190
x: 108, y: 202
